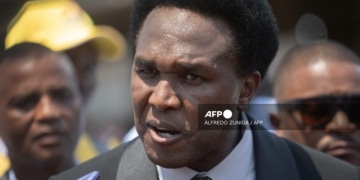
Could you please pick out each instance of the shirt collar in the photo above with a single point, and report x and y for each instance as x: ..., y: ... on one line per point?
x: 238, y: 163
x: 3, y: 149
x: 183, y: 173
x: 11, y: 175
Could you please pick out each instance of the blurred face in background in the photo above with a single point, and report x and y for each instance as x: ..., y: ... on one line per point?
x: 84, y: 58
x: 40, y: 109
x: 322, y: 81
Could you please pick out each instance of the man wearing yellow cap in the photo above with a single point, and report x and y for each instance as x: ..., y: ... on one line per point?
x: 61, y: 25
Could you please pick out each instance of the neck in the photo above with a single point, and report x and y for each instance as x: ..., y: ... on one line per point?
x: 39, y: 171
x: 216, y: 156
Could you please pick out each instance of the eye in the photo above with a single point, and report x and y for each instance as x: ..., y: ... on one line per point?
x: 193, y: 79
x: 25, y: 103
x: 148, y: 72
x: 62, y: 96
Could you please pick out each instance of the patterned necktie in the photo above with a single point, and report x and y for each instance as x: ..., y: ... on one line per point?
x: 200, y: 178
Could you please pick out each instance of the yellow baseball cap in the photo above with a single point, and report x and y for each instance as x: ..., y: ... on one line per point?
x: 61, y: 25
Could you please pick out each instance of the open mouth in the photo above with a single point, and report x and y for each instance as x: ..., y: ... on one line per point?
x: 164, y: 134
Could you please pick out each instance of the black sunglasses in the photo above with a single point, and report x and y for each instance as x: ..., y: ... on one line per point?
x: 317, y: 112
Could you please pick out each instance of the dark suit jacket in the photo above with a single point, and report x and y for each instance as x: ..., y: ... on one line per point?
x: 275, y: 158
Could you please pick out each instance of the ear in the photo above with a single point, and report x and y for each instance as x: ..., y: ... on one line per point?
x: 275, y: 122
x: 250, y: 85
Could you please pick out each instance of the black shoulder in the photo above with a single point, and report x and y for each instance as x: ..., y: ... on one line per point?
x: 106, y: 164
x: 327, y: 166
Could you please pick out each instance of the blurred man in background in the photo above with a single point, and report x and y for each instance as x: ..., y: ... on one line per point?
x: 61, y: 25
x: 41, y: 111
x: 318, y: 89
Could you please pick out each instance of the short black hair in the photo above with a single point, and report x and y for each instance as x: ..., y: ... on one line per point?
x: 252, y: 21
x: 24, y: 51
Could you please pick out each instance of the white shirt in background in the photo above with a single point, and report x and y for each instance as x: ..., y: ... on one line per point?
x: 3, y: 149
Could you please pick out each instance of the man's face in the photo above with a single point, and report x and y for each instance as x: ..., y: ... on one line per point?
x: 338, y: 138
x: 40, y: 105
x: 85, y: 61
x: 180, y: 62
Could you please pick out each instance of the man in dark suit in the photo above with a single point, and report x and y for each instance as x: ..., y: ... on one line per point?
x: 323, y: 80
x: 197, y: 52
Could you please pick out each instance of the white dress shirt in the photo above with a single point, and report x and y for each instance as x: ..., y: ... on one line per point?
x: 3, y: 149
x: 239, y: 164
x: 12, y: 175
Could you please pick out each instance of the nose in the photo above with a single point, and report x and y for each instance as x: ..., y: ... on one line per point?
x: 46, y: 110
x: 340, y: 123
x: 164, y: 97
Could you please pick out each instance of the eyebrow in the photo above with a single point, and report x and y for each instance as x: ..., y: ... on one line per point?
x: 144, y: 63
x: 22, y: 96
x: 193, y: 67
x: 189, y: 67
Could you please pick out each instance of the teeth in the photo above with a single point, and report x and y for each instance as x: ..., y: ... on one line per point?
x: 167, y: 135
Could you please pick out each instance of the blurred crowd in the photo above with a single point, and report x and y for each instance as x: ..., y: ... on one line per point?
x: 58, y: 70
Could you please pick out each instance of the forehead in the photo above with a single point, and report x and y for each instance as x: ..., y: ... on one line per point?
x: 179, y: 32
x: 320, y: 78
x: 34, y: 73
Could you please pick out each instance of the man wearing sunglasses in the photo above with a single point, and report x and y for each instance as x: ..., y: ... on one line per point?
x: 317, y: 87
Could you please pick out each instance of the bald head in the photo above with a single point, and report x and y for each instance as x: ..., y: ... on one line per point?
x: 312, y: 53
x: 316, y: 67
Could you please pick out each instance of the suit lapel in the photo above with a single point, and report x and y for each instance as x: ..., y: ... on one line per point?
x: 273, y: 158
x: 135, y: 164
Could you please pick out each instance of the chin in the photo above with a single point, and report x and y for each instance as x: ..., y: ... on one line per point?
x: 54, y: 158
x: 50, y: 157
x: 166, y: 158
x: 167, y: 162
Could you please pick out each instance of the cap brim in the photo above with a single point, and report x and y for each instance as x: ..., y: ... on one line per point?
x: 111, y: 45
